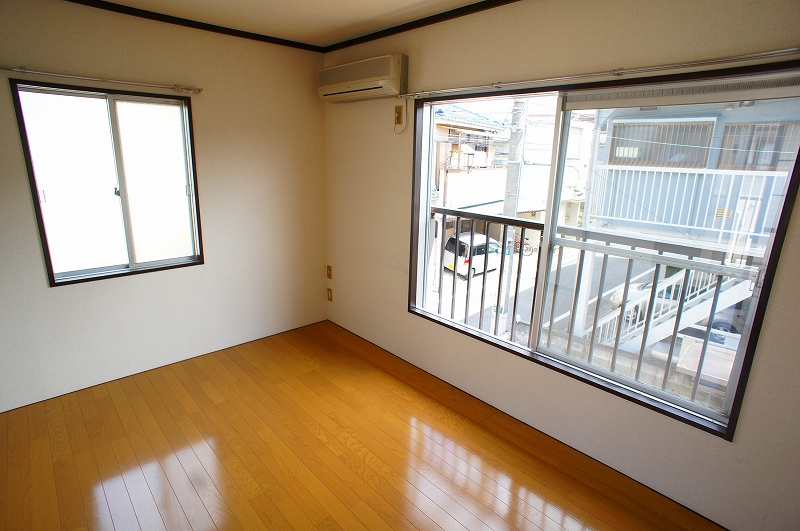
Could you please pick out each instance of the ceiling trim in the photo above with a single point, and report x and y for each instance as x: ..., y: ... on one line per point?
x: 169, y: 19
x: 179, y: 21
x: 420, y: 23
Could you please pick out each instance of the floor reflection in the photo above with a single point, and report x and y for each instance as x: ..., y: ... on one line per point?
x: 197, y: 480
x: 480, y: 478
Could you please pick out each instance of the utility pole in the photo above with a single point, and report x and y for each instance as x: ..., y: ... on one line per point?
x: 519, y: 120
x: 515, y: 151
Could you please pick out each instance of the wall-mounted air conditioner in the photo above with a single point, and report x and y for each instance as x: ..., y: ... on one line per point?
x: 378, y: 77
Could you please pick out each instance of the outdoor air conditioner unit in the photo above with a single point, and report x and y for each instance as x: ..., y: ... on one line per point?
x: 379, y: 77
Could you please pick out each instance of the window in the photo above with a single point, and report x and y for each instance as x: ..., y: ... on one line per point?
x: 667, y: 143
x: 636, y: 239
x: 759, y: 146
x: 112, y: 178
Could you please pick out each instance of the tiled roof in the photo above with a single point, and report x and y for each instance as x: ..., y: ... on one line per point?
x: 460, y: 114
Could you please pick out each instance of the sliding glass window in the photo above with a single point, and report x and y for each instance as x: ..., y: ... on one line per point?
x: 112, y: 179
x: 621, y: 236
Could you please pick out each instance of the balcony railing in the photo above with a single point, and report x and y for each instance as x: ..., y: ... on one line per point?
x: 486, y: 281
x: 652, y: 315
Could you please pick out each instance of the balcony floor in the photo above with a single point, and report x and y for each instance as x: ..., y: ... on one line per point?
x: 310, y: 429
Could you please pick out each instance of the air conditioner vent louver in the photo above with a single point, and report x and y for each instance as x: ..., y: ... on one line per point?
x: 378, y: 77
x: 378, y: 67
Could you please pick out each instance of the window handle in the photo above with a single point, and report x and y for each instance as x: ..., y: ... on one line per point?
x: 116, y: 192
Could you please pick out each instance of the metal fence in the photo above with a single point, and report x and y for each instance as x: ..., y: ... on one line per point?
x: 679, y: 290
x: 482, y: 272
x: 657, y: 335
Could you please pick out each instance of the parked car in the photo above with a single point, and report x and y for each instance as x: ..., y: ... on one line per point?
x: 472, y: 260
x: 728, y: 323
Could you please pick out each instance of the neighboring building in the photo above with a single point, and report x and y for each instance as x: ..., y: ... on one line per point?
x: 735, y: 157
x: 465, y: 139
x: 465, y: 144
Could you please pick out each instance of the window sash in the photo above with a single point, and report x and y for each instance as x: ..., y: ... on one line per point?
x: 124, y: 180
x: 719, y: 418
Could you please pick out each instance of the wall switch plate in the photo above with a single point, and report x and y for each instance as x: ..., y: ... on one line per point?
x: 330, y: 294
x: 329, y: 272
x: 398, y: 115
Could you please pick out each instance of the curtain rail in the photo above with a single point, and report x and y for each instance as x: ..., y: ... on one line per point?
x: 617, y: 72
x: 176, y: 88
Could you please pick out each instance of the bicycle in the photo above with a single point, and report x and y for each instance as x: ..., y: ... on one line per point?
x: 527, y: 249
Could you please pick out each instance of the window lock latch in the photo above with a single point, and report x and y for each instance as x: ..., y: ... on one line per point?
x: 759, y: 282
x: 116, y: 192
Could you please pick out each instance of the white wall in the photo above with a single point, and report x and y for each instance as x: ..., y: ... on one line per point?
x: 751, y: 483
x: 260, y: 153
x: 258, y: 142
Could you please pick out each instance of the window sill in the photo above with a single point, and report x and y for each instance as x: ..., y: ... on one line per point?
x: 115, y: 272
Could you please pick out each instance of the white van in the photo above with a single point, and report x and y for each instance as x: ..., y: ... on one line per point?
x: 476, y: 259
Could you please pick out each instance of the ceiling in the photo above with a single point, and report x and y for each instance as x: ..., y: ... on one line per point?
x: 315, y: 22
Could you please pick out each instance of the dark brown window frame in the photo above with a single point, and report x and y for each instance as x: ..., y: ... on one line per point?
x: 725, y: 432
x: 116, y: 273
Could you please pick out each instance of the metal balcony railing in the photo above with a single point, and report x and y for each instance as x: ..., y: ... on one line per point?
x: 639, y: 310
x: 482, y: 272
x: 641, y: 328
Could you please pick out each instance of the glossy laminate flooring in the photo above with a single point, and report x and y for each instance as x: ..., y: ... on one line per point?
x: 310, y: 429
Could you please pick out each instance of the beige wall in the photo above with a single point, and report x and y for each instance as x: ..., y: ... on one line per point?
x: 751, y: 483
x: 257, y: 128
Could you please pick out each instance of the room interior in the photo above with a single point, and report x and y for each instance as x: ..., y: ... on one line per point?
x: 288, y: 184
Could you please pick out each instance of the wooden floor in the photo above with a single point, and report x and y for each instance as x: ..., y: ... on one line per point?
x: 310, y: 429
